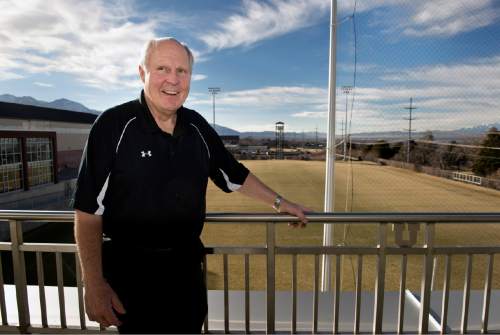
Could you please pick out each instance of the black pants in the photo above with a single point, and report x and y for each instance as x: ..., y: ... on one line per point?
x: 162, y: 290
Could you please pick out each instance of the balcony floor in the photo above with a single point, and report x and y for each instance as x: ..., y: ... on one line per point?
x: 283, y: 310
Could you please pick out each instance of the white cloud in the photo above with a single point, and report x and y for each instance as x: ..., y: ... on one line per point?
x: 264, y: 20
x: 447, y: 96
x: 364, y: 6
x: 484, y: 73
x: 273, y: 96
x: 240, y: 109
x: 443, y: 94
x: 37, y: 83
x: 96, y: 41
x: 267, y: 97
x: 448, y: 18
x: 6, y: 75
x: 255, y: 127
x: 197, y: 77
x: 436, y: 18
x: 258, y: 21
x: 313, y: 115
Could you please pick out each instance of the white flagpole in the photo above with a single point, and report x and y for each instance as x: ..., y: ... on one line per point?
x: 330, y: 150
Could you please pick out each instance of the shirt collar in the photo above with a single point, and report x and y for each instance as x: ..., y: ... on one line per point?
x: 149, y: 124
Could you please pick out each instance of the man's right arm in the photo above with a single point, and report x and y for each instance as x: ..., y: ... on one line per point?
x: 88, y: 236
x: 100, y: 299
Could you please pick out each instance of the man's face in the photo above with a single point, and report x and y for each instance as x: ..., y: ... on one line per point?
x: 166, y: 77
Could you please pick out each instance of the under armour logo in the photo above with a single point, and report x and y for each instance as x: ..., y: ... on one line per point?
x: 146, y: 153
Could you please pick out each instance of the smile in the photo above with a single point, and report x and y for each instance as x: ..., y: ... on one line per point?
x: 169, y: 92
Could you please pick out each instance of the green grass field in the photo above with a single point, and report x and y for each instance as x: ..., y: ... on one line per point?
x: 359, y: 187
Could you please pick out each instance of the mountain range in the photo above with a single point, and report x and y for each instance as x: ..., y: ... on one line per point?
x: 56, y: 104
x: 472, y: 132
x: 475, y: 131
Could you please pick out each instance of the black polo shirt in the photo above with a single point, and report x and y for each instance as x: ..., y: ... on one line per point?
x: 150, y: 186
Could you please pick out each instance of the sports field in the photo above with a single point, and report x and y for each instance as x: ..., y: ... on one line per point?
x: 359, y: 187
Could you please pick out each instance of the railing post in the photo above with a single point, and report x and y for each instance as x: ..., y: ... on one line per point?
x: 270, y: 284
x: 226, y: 293
x: 378, y: 309
x: 487, y: 296
x: 16, y: 238
x: 402, y: 294
x: 466, y: 296
x: 425, y: 296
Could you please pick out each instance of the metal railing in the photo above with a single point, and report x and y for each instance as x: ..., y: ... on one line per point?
x: 402, y: 248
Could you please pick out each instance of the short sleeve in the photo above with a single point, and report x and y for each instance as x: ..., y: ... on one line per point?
x: 95, y: 168
x: 225, y: 171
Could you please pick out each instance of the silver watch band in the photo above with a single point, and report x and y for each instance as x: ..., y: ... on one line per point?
x: 277, y: 203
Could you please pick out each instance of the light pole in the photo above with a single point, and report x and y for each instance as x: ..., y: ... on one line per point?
x: 346, y: 90
x: 214, y: 91
x: 330, y: 148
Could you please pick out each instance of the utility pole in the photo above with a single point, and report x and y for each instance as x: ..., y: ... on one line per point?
x: 214, y: 91
x: 346, y: 90
x: 316, y: 137
x: 342, y: 136
x: 410, y: 130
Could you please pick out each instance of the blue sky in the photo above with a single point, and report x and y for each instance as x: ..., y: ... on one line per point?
x: 270, y: 58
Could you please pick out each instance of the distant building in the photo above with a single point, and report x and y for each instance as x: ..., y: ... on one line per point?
x: 37, y: 144
x: 253, y: 149
x: 230, y: 139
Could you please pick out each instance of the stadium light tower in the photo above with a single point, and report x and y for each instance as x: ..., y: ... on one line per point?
x: 214, y: 91
x: 346, y: 90
x: 280, y: 138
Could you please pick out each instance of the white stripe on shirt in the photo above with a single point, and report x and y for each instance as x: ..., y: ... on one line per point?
x: 100, y: 197
x: 123, y: 132
x: 206, y: 145
x: 233, y: 187
x: 102, y: 193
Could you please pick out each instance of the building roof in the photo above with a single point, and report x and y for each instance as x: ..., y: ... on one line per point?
x: 27, y: 112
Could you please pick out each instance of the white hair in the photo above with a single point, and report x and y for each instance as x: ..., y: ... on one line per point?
x: 153, y: 43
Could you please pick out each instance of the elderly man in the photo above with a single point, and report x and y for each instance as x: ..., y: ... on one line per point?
x: 140, y: 202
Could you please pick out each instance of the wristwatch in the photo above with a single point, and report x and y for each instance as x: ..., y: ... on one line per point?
x: 277, y: 203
